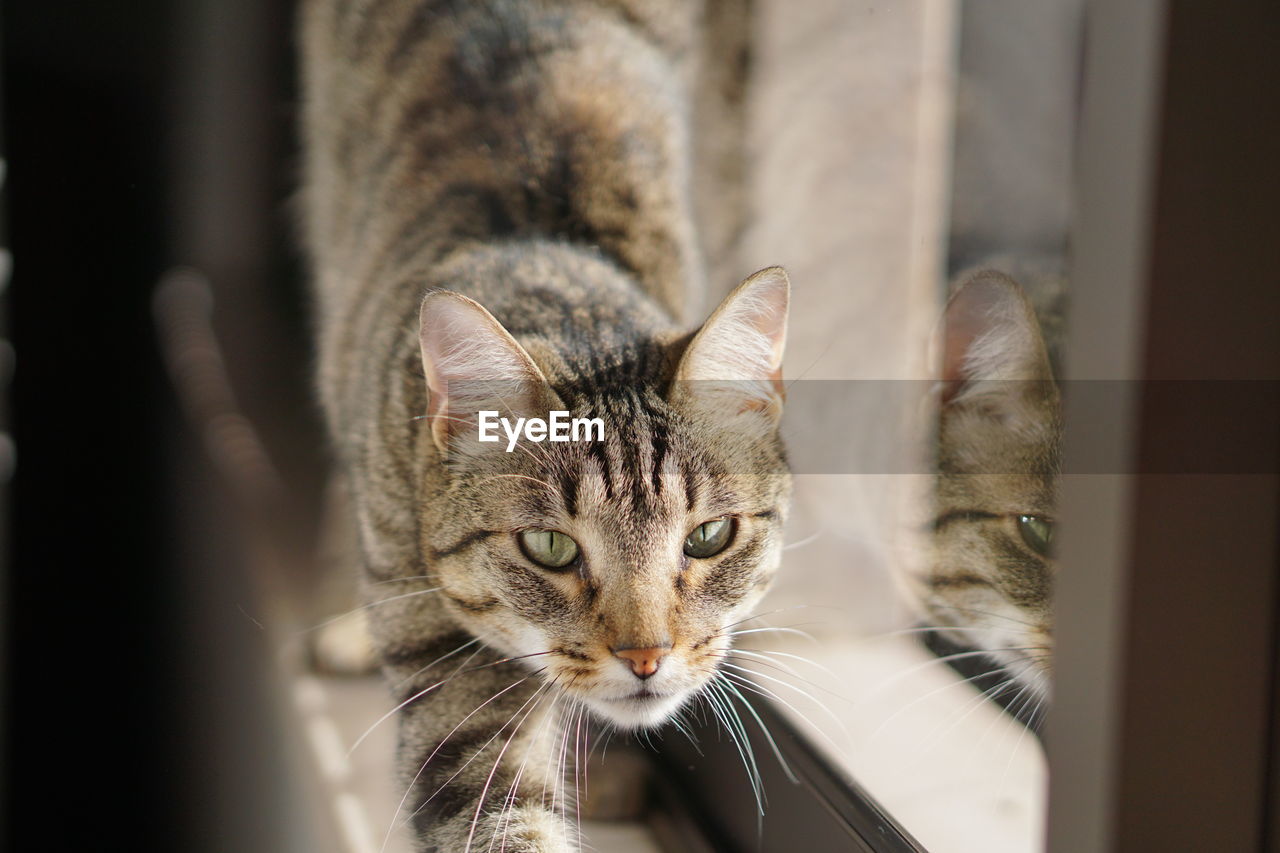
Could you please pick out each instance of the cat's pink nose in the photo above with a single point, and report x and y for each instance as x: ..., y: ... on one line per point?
x: 643, y: 662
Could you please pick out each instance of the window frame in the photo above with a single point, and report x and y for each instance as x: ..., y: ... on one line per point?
x: 1166, y: 144
x: 705, y: 786
x: 1173, y: 170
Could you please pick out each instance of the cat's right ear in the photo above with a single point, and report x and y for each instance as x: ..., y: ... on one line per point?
x: 472, y: 364
x: 992, y: 349
x: 733, y: 365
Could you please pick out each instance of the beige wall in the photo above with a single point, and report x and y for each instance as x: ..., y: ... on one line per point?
x: 850, y: 137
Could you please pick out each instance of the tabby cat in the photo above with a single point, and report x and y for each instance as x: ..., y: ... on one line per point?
x: 498, y: 215
x: 988, y: 579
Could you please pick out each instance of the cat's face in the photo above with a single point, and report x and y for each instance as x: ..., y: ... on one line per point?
x: 990, y: 571
x: 616, y: 568
x: 619, y: 566
x: 993, y: 570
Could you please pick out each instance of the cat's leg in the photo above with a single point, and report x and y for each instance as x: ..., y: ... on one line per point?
x: 343, y: 647
x: 487, y: 758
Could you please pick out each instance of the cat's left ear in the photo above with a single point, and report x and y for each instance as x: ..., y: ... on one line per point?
x: 993, y: 354
x: 472, y: 364
x: 733, y: 364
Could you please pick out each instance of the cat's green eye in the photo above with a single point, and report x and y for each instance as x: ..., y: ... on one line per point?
x: 548, y: 548
x: 1037, y: 533
x: 709, y: 538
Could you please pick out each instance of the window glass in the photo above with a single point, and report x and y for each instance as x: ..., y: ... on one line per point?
x: 906, y: 153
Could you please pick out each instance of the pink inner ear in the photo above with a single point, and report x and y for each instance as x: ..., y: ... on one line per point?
x: 772, y: 323
x: 961, y: 329
x: 969, y: 315
x: 771, y: 328
x: 437, y: 403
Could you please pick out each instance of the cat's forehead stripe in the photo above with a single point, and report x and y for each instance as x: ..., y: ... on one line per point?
x: 634, y: 453
x: 569, y: 490
x: 601, y: 458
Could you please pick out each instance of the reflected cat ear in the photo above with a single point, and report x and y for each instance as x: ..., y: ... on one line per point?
x: 991, y: 342
x: 734, y: 363
x: 473, y: 364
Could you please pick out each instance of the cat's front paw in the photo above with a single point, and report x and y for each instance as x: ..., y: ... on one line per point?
x: 531, y: 829
x: 344, y: 646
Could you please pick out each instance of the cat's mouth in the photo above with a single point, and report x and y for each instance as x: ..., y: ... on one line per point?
x: 640, y: 695
x: 637, y: 710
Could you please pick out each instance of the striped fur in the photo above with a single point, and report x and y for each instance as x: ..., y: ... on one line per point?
x: 999, y: 459
x: 535, y: 158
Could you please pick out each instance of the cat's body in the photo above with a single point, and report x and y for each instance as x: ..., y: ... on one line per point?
x: 528, y: 165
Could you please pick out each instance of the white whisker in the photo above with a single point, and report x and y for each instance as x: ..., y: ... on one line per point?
x: 484, y: 792
x: 795, y: 631
x: 974, y: 704
x: 522, y: 477
x: 434, y: 752
x: 787, y: 671
x: 764, y: 730
x: 1007, y: 618
x: 784, y: 610
x: 417, y: 695
x: 902, y: 710
x: 772, y: 695
x: 808, y: 540
x: 440, y: 659
x: 515, y: 784
x: 775, y: 653
x: 356, y: 610
x: 883, y: 684
x: 1022, y: 734
x: 736, y: 733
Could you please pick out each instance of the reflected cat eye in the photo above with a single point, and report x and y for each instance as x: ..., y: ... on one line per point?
x: 709, y: 538
x: 550, y: 549
x: 1037, y: 533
